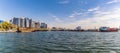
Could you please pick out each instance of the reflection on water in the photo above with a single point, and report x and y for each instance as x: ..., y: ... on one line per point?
x: 60, y: 42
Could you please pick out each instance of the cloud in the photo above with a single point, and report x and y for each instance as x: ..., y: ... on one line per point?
x: 64, y: 2
x: 82, y: 2
x: 74, y: 14
x: 94, y: 9
x: 113, y: 1
x: 56, y: 19
x: 53, y: 16
x: 101, y: 18
x: 110, y: 18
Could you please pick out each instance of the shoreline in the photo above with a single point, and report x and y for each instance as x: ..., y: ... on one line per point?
x: 49, y: 30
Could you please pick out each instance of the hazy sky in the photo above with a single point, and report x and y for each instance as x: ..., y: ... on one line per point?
x: 64, y: 13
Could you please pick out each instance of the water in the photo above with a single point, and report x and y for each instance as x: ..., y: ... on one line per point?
x: 60, y: 42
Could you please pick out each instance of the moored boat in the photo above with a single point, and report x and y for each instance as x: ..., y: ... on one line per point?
x: 108, y: 29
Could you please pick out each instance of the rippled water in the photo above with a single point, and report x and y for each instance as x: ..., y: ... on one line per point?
x: 60, y: 42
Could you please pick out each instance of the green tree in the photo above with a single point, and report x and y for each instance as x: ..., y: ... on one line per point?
x: 5, y: 25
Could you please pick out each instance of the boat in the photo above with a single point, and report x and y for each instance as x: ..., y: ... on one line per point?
x: 108, y: 29
x: 18, y: 30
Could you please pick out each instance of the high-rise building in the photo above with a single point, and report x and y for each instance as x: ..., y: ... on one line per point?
x: 30, y: 23
x: 33, y: 24
x: 21, y: 22
x: 25, y: 22
x: 43, y: 25
x: 15, y: 21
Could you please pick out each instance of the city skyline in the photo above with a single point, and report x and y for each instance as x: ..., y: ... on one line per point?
x: 64, y: 13
x: 25, y: 22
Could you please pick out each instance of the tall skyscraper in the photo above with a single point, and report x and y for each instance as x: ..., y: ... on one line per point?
x: 30, y: 23
x: 15, y: 21
x: 25, y: 22
x: 21, y: 22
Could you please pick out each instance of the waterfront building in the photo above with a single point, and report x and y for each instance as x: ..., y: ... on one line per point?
x: 15, y: 21
x: 33, y: 24
x: 30, y: 23
x: 78, y: 28
x: 54, y: 28
x: 37, y: 25
x: 61, y: 29
x: 43, y: 25
x: 21, y: 22
x: 26, y: 22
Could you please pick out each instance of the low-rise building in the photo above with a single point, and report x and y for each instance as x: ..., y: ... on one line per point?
x: 43, y: 25
x: 78, y: 28
x: 37, y: 25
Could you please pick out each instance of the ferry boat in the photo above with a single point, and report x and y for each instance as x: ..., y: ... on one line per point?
x: 108, y: 29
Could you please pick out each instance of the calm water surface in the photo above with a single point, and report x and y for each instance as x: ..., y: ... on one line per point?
x: 60, y: 42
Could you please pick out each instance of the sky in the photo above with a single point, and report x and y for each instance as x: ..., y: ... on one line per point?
x: 64, y: 13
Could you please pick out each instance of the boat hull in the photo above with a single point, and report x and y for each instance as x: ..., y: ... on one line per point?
x: 107, y: 29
